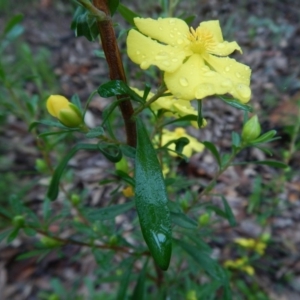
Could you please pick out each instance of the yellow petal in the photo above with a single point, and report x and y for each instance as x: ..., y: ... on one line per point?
x: 183, y: 82
x: 238, y: 73
x: 55, y: 103
x: 144, y: 51
x: 170, y: 31
x: 214, y: 28
x: 184, y: 108
x: 225, y: 48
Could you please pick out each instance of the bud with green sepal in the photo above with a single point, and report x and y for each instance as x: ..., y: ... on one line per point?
x: 18, y: 221
x: 66, y: 112
x: 75, y: 199
x: 204, y: 219
x: 50, y: 242
x: 251, y: 130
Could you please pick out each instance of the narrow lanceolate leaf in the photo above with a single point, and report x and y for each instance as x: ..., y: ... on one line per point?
x: 151, y: 200
x: 54, y: 184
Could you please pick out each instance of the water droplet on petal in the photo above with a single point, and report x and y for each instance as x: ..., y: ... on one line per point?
x: 174, y: 59
x: 138, y: 52
x: 238, y: 75
x: 179, y: 41
x: 183, y: 81
x: 171, y: 35
x: 160, y: 28
x: 172, y: 21
x: 166, y: 63
x: 243, y: 91
x: 227, y: 69
x: 143, y: 56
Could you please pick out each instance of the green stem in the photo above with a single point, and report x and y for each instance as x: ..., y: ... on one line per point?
x: 161, y: 90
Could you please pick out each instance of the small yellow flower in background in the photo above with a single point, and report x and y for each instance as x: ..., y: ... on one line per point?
x: 66, y: 112
x: 240, y: 264
x: 195, y: 61
x: 252, y: 244
x: 176, y: 107
x: 192, y: 146
x: 128, y: 192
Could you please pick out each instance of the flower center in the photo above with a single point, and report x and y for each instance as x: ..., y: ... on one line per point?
x: 202, y: 40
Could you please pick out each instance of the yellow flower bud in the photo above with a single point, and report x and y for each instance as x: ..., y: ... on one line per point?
x: 67, y: 113
x: 128, y: 192
x: 251, y: 129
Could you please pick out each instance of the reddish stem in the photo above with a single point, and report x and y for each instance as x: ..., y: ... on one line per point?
x: 116, y: 69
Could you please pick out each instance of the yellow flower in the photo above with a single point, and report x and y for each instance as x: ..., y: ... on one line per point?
x: 257, y: 246
x: 179, y: 132
x: 128, y: 192
x: 240, y: 264
x: 194, y: 60
x: 67, y: 113
x: 175, y: 107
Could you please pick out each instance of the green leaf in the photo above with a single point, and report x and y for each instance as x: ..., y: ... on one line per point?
x: 113, y: 5
x: 54, y: 184
x: 205, y: 261
x: 128, y: 151
x: 207, y: 290
x: 235, y: 103
x: 84, y: 24
x: 151, y: 200
x: 95, y: 132
x: 124, y: 281
x: 200, y: 117
x: 139, y: 290
x: 127, y: 14
x: 214, y: 151
x: 265, y: 138
x: 236, y: 139
x: 2, y: 73
x: 76, y: 101
x: 47, y: 123
x: 107, y: 213
x: 125, y: 177
x: 118, y: 87
x: 229, y: 215
x: 111, y: 151
x: 217, y: 210
x: 33, y: 253
x: 181, y: 119
x: 13, y: 234
x: 48, y: 133
x: 183, y: 220
x: 271, y: 163
x: 12, y: 23
x: 188, y: 20
x: 4, y: 234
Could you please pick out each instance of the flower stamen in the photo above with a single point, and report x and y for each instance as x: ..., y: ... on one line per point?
x: 202, y: 40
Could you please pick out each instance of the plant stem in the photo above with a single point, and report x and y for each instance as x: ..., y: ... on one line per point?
x: 116, y: 69
x: 159, y: 93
